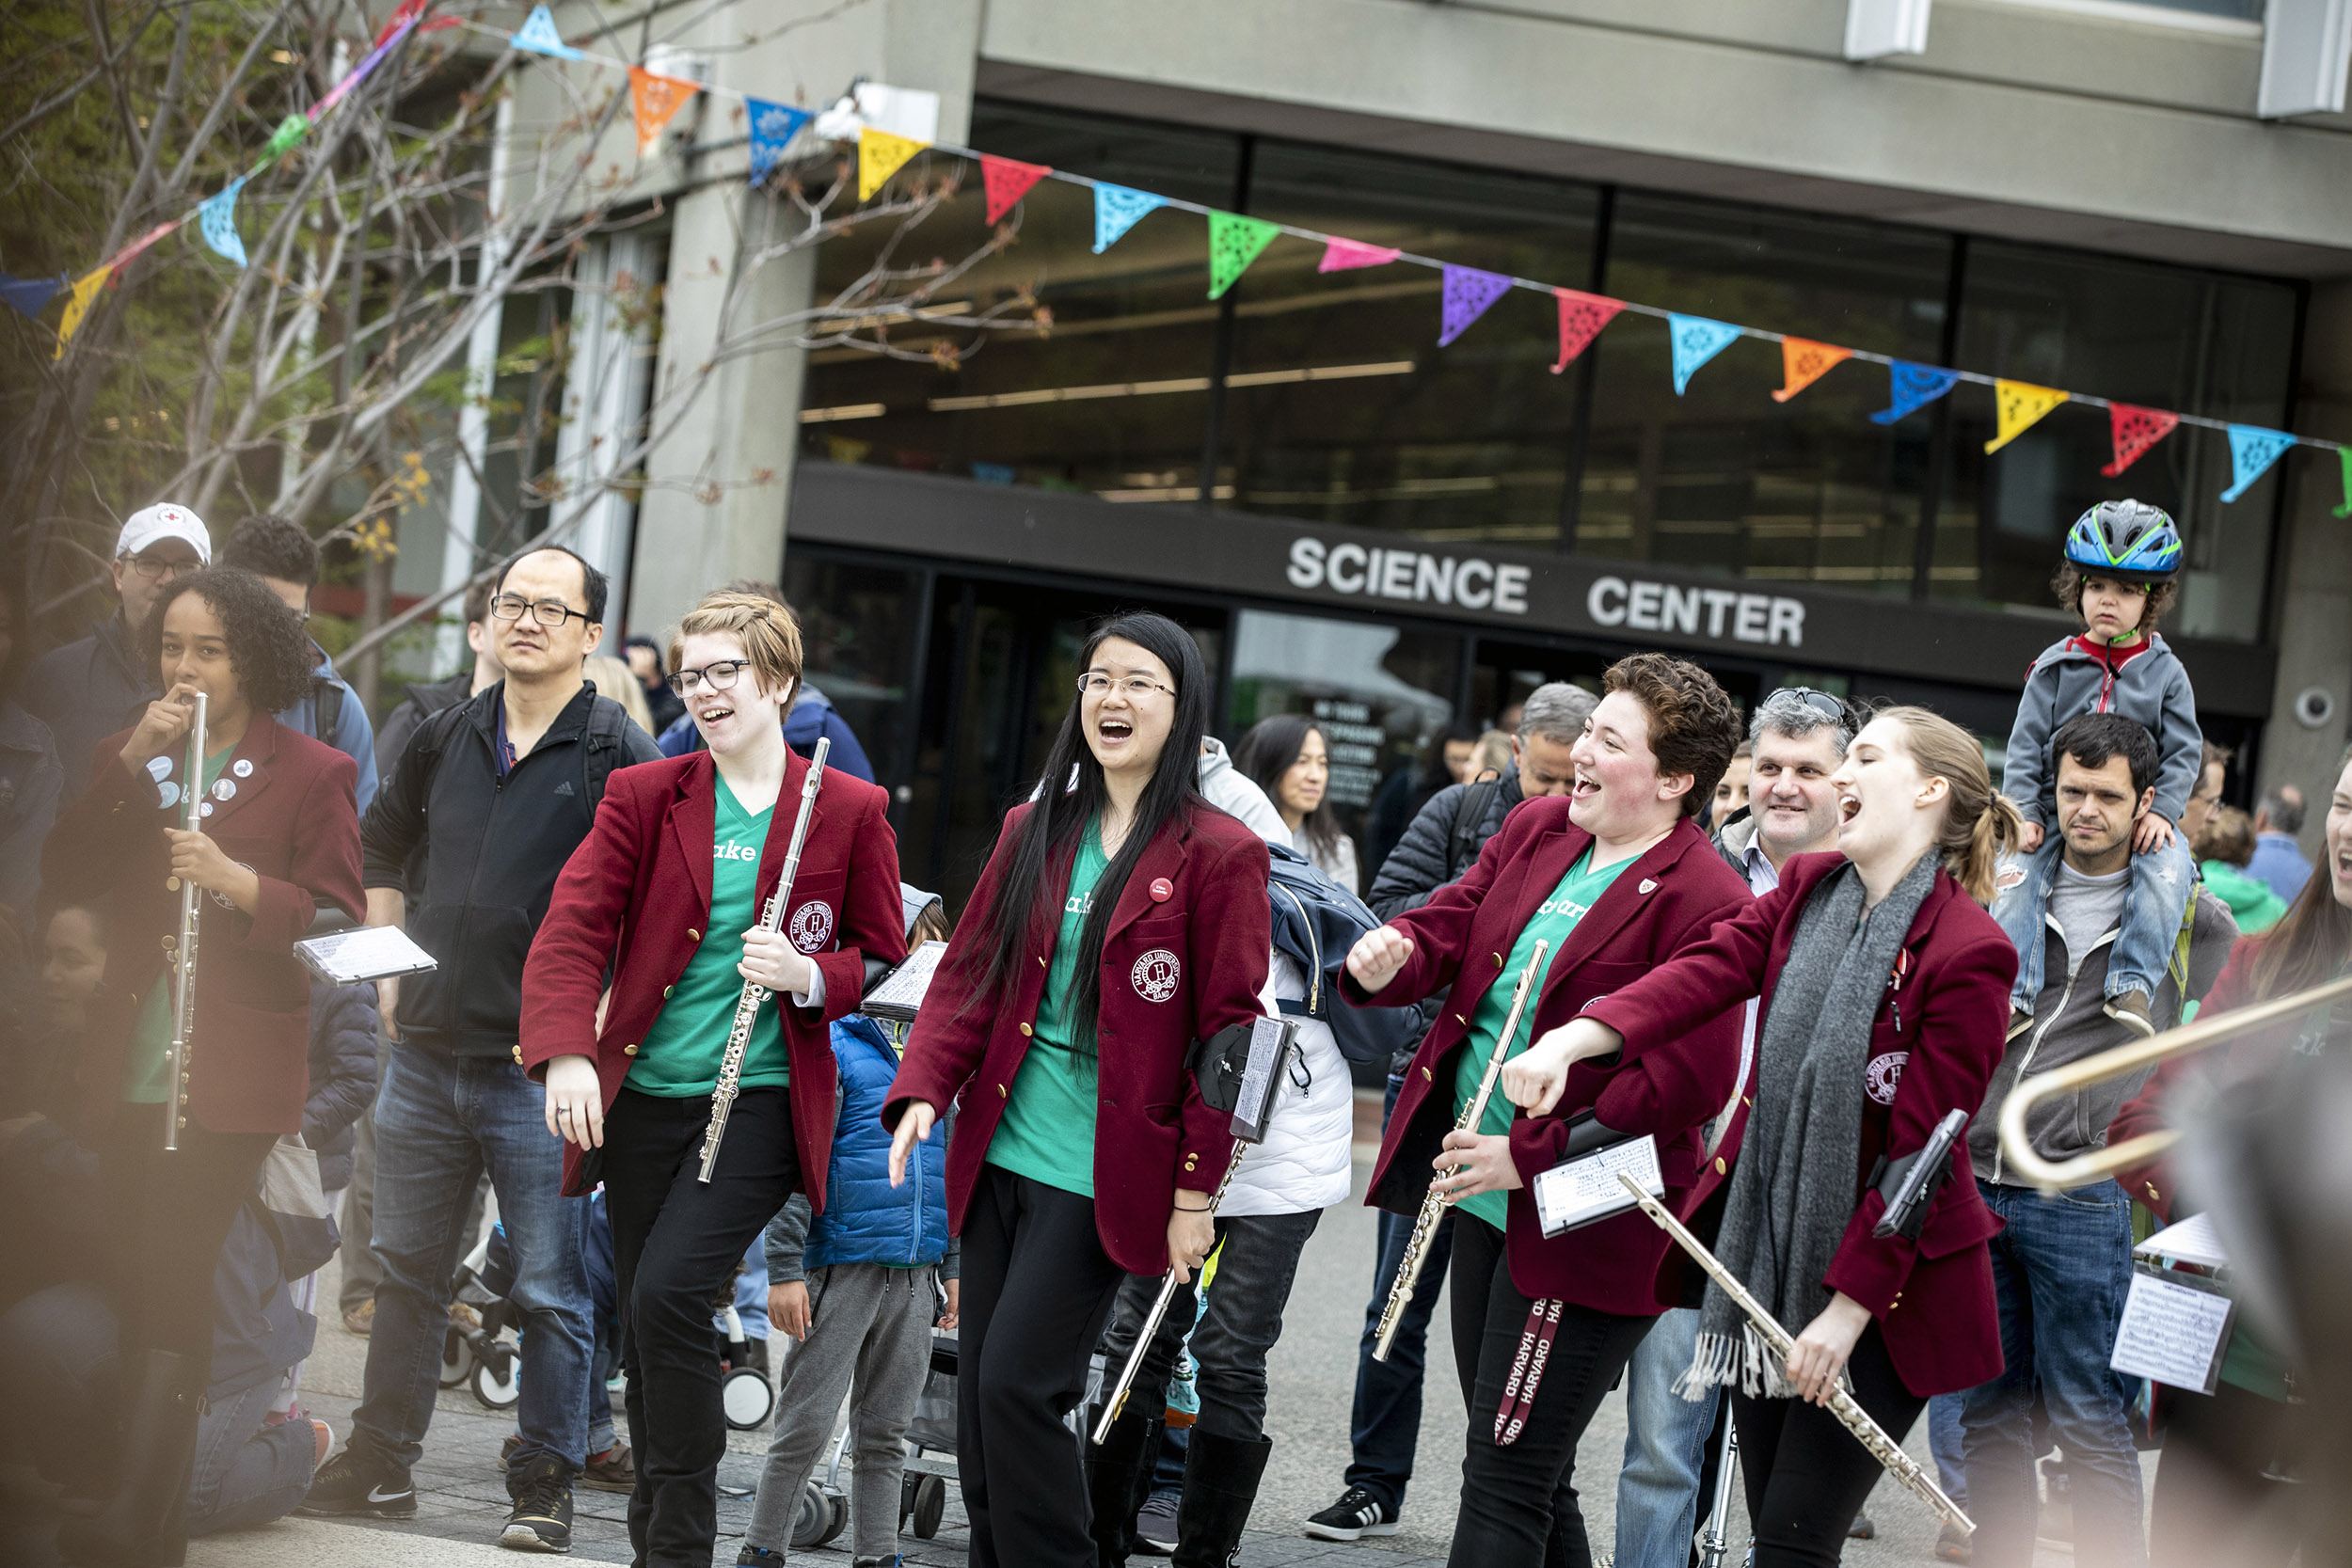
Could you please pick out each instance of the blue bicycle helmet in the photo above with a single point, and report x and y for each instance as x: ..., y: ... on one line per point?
x: 2129, y: 538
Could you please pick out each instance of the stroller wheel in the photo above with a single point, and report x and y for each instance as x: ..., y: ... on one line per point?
x: 931, y: 1503
x: 498, y: 1379
x: 746, y: 1398
x: 456, y: 1359
x: 820, y: 1516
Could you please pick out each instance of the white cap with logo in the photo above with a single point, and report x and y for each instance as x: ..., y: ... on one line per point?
x: 164, y: 521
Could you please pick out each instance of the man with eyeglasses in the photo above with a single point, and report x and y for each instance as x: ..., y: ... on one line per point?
x: 495, y: 793
x: 86, y: 690
x: 283, y: 555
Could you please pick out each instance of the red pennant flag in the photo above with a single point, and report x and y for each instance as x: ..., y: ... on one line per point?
x: 1007, y: 180
x: 1581, y: 317
x: 1803, y: 362
x: 2136, y: 430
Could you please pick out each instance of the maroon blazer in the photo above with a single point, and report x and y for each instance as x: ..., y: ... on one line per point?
x: 1949, y: 1014
x: 635, y: 896
x: 1184, y: 956
x: 1667, y: 1087
x: 293, y: 818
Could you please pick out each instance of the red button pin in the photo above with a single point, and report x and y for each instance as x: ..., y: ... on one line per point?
x: 1162, y: 890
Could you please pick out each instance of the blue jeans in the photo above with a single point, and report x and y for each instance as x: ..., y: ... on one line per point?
x: 1946, y: 1441
x: 2061, y: 1272
x: 1665, y: 1444
x: 1385, y: 1424
x: 440, y: 1121
x: 247, y: 1475
x: 2161, y: 886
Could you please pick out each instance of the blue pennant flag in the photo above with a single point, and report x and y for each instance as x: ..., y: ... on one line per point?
x: 1697, y: 340
x: 1116, y: 208
x: 28, y: 294
x: 1914, y: 387
x: 218, y: 218
x: 538, y: 35
x: 2252, y: 451
x: 773, y: 126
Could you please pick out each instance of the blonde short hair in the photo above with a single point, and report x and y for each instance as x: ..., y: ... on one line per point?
x: 765, y: 627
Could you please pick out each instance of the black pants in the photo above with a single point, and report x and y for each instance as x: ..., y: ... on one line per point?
x: 2219, y: 1495
x: 1806, y: 1475
x: 1519, y: 1500
x: 173, y: 1213
x: 674, y: 1246
x: 1032, y: 1255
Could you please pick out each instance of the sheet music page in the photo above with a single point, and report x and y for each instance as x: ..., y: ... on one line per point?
x: 1255, y: 1103
x: 903, y: 990
x: 2172, y: 1333
x: 1582, y: 1191
x: 2193, y: 1240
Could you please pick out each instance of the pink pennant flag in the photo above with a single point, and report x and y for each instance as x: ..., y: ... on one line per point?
x: 1007, y: 180
x: 130, y: 253
x: 1344, y: 255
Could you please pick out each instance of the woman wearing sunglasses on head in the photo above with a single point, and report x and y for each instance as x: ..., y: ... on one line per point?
x: 1611, y: 880
x: 1884, y: 987
x: 665, y: 894
x: 1121, y: 919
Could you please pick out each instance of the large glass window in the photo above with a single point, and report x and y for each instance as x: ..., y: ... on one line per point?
x: 2164, y: 336
x: 858, y: 647
x: 1342, y: 409
x: 1723, y: 478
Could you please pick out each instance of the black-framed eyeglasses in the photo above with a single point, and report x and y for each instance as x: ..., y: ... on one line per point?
x: 1134, y: 687
x: 721, y: 676
x: 548, y: 613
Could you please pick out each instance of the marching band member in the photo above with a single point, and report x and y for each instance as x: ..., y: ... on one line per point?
x: 1615, y: 877
x: 279, y: 838
x: 666, y: 893
x: 1119, y: 919
x: 1884, y: 988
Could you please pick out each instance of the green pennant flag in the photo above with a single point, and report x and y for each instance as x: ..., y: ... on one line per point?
x: 1234, y: 242
x: 2345, y: 510
x: 290, y: 130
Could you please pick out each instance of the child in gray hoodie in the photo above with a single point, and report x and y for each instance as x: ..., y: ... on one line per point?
x: 2118, y: 576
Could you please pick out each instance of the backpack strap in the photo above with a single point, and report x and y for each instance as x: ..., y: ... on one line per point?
x: 1469, y: 815
x: 327, y: 709
x: 601, y: 749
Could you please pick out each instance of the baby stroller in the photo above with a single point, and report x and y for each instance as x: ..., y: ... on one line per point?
x: 488, y: 1357
x: 931, y: 1439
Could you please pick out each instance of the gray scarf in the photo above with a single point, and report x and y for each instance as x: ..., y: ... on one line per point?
x: 1792, y: 1194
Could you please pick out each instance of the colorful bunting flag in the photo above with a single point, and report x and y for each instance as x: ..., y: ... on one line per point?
x: 1694, y: 341
x: 1007, y: 180
x: 2135, y: 430
x: 1912, y: 388
x: 217, y: 217
x: 1116, y: 208
x: 538, y: 35
x: 406, y: 13
x: 1581, y: 317
x: 1464, y: 298
x: 29, y: 295
x: 77, y: 304
x: 358, y: 74
x: 290, y: 130
x: 655, y: 99
x: 2017, y: 407
x: 1803, y: 362
x: 880, y: 155
x: 773, y: 126
x: 1345, y: 255
x: 2252, y: 451
x: 1234, y: 242
x: 2345, y: 510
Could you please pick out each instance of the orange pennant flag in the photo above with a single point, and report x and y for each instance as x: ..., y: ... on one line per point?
x: 880, y: 155
x: 2016, y: 407
x: 655, y: 100
x: 1803, y: 362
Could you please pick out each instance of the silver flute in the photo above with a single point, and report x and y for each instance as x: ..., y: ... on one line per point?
x: 747, y: 1008
x: 1779, y: 1342
x: 1433, y: 1208
x: 1118, y: 1402
x: 183, y: 953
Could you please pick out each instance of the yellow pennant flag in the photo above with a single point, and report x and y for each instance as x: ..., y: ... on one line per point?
x: 2017, y: 404
x: 655, y: 99
x: 85, y: 296
x: 880, y: 155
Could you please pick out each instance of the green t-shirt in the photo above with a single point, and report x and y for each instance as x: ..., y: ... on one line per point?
x: 1047, y: 1133
x: 146, y: 1073
x: 679, y: 1056
x: 1553, y: 919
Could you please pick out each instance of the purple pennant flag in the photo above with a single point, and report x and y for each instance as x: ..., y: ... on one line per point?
x: 1468, y: 292
x: 28, y: 294
x: 1914, y: 387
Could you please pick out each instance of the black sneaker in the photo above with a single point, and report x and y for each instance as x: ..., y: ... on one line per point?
x: 2131, y: 1010
x: 357, y: 1482
x: 1357, y: 1514
x: 542, y: 1517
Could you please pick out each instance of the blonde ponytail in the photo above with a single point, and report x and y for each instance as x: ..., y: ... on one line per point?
x: 1978, y: 824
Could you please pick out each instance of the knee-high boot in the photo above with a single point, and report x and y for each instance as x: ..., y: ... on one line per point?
x: 1119, y: 1472
x: 1221, y: 1476
x: 144, y: 1525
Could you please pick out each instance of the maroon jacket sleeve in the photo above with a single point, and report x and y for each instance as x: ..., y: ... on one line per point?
x: 1439, y: 929
x: 1717, y: 968
x: 326, y: 862
x: 1233, y: 922
x: 1957, y: 1046
x: 92, y: 841
x: 873, y: 920
x: 950, y: 1031
x: 564, y: 977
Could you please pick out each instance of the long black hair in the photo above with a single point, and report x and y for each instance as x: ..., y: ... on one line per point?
x: 1267, y: 752
x: 1073, y: 795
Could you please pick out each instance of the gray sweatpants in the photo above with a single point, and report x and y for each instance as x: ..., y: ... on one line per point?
x: 875, y: 1322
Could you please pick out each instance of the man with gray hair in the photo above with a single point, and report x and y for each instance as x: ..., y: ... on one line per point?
x: 1800, y: 736
x: 1442, y: 842
x: 2279, y: 862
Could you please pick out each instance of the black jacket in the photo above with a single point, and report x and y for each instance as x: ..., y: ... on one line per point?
x: 1432, y: 854
x: 424, y: 700
x: 492, y: 848
x: 342, y: 1075
x: 83, y: 692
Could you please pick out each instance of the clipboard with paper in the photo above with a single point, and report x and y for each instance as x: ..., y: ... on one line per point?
x: 1583, y: 1188
x: 2176, y: 1325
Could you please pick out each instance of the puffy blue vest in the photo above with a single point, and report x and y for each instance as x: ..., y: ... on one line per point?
x: 867, y: 1220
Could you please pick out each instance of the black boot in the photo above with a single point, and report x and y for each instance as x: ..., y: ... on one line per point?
x: 1119, y: 1473
x: 146, y: 1523
x: 1221, y: 1477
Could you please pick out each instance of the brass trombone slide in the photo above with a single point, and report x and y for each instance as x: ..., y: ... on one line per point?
x: 2101, y: 1163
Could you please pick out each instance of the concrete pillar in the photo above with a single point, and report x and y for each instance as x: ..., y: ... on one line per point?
x: 2315, y: 566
